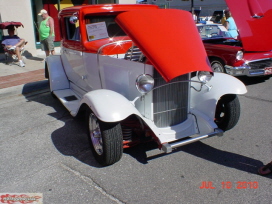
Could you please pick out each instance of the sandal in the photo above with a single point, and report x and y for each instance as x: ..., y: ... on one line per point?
x: 264, y: 170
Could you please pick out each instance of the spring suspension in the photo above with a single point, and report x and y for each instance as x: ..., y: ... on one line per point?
x: 127, y: 133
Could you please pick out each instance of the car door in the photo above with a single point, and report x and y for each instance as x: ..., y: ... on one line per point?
x: 72, y: 55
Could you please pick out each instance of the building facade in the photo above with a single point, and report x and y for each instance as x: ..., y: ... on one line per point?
x: 206, y: 7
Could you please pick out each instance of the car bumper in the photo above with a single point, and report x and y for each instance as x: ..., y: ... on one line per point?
x: 245, y: 71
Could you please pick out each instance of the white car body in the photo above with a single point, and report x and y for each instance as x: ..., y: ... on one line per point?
x: 106, y: 84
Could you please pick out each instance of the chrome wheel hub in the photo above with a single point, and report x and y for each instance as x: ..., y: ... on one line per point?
x: 217, y: 67
x: 95, y: 134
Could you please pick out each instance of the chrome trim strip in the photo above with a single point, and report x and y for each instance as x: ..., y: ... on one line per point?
x: 237, y: 68
x: 269, y: 58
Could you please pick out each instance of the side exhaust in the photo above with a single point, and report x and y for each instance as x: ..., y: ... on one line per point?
x: 168, y: 147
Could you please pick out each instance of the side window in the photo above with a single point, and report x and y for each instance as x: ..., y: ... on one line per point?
x: 72, y: 30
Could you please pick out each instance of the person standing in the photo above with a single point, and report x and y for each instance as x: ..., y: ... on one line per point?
x: 230, y: 25
x: 47, y: 35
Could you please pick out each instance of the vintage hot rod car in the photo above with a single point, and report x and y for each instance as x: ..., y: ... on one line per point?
x: 251, y: 53
x: 135, y: 74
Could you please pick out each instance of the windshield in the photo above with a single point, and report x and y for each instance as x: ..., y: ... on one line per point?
x: 212, y: 31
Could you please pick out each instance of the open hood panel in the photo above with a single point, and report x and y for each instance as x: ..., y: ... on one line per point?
x: 168, y: 38
x: 253, y: 19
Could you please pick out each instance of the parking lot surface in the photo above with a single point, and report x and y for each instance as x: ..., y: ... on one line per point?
x: 45, y: 150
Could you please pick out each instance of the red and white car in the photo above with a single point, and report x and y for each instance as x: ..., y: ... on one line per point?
x: 251, y: 54
x: 133, y: 71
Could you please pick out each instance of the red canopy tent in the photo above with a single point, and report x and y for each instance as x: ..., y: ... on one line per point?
x: 6, y: 25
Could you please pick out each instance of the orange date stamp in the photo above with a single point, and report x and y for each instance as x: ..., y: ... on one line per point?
x: 230, y: 185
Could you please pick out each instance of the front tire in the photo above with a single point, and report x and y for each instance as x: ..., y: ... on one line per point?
x: 227, y: 112
x: 106, y: 140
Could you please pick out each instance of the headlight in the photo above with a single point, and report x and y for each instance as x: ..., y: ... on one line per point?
x: 144, y: 83
x: 239, y: 55
x: 204, y: 76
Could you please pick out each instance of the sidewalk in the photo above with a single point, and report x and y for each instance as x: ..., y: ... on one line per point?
x: 13, y: 78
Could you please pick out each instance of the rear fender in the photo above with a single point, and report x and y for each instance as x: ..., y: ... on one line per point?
x: 221, y: 84
x: 57, y: 76
x: 109, y: 106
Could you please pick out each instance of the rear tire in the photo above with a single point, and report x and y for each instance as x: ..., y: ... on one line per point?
x: 227, y: 112
x: 106, y: 140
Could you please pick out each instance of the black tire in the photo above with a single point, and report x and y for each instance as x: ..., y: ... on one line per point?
x: 227, y: 112
x: 217, y: 65
x: 106, y: 140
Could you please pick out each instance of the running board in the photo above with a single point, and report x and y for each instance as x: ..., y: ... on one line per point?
x: 69, y: 99
x: 168, y: 147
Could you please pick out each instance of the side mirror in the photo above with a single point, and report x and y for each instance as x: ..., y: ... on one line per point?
x: 73, y: 19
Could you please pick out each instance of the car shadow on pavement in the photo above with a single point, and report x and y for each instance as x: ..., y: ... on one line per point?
x: 139, y: 151
x: 221, y: 157
x: 70, y: 139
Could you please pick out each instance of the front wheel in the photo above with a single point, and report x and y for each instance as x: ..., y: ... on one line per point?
x: 217, y: 66
x: 227, y: 112
x: 106, y: 140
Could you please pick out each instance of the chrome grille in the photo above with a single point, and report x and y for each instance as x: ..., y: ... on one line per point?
x: 134, y: 54
x: 261, y: 64
x: 170, y: 102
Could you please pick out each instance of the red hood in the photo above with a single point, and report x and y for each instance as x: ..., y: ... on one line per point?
x: 253, y: 19
x: 168, y: 38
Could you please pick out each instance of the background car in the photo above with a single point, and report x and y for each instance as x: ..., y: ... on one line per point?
x: 250, y: 54
x: 220, y: 49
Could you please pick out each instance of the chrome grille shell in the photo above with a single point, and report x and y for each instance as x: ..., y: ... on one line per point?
x: 170, y: 100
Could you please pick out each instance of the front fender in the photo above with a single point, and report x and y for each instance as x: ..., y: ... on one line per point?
x: 109, y: 106
x: 221, y: 84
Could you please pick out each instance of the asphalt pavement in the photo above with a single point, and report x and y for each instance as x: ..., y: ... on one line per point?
x: 45, y: 150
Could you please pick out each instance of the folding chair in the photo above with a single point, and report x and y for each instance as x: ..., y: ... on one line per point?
x: 9, y: 54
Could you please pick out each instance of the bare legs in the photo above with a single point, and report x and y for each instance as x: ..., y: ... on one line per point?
x: 48, y: 52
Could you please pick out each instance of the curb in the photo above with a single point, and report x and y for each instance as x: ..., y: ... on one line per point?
x: 28, y: 89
